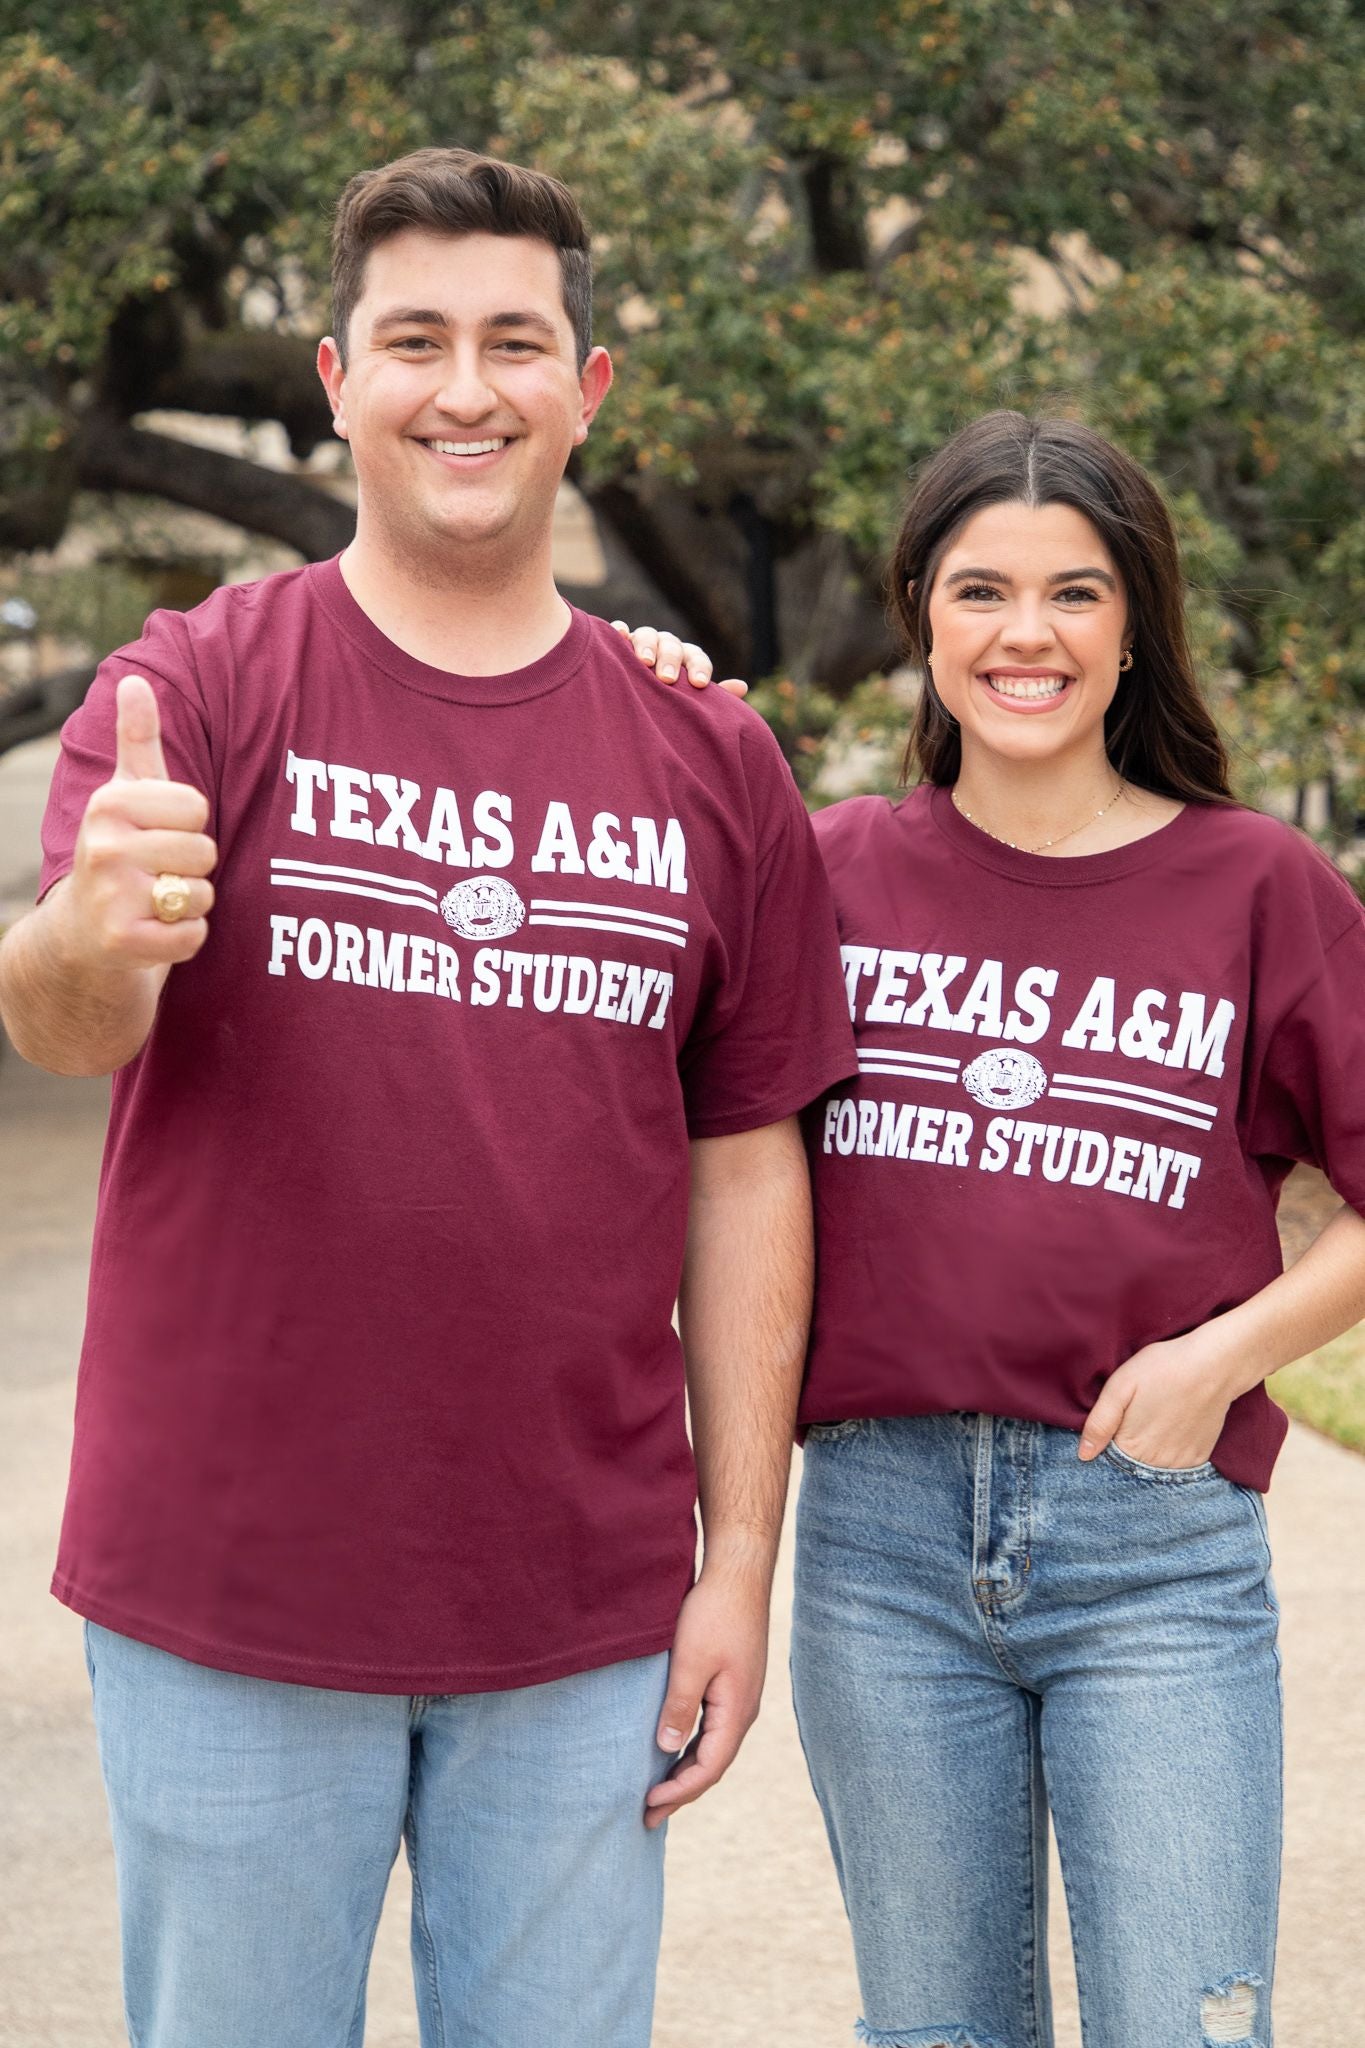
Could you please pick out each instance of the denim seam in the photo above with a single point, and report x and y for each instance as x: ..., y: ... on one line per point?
x: 1078, y: 1964
x: 983, y: 1464
x: 1040, y: 2030
x: 1012, y: 1598
x: 1120, y: 1460
x: 995, y: 1643
x: 419, y: 1910
x: 357, y: 2014
x: 836, y: 1432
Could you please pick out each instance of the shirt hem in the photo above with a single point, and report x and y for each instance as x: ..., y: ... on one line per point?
x: 337, y: 1676
x: 777, y: 1107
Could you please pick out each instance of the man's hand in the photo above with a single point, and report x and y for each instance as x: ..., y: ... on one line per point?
x: 137, y: 826
x: 1165, y: 1405
x: 719, y: 1657
x: 667, y: 655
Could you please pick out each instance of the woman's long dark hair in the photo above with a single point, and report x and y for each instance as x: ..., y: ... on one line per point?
x: 1158, y: 731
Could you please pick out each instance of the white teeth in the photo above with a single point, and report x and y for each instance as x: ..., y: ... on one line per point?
x: 467, y: 447
x: 1028, y: 686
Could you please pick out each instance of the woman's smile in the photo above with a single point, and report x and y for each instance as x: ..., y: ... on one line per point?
x: 1028, y: 690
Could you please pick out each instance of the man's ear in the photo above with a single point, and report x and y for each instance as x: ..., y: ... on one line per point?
x: 593, y: 384
x: 333, y: 374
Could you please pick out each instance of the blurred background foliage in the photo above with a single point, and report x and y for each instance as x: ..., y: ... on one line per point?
x: 825, y: 236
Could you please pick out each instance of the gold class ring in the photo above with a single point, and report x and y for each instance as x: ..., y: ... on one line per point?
x: 170, y: 898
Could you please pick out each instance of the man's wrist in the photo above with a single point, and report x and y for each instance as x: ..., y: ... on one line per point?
x: 742, y: 1553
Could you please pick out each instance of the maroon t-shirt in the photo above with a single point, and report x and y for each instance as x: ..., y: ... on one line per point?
x: 1082, y: 1083
x: 380, y: 1388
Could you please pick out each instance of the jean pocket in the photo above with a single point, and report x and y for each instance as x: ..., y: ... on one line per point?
x: 1160, y: 1475
x: 835, y: 1432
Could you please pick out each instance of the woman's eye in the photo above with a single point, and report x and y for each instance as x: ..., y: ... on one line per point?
x: 1079, y: 591
x: 976, y: 591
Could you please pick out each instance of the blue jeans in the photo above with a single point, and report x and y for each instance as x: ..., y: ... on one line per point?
x: 986, y: 1628
x: 255, y: 1825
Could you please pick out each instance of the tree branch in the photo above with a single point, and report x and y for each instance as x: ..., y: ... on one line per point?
x: 115, y: 457
x: 249, y: 374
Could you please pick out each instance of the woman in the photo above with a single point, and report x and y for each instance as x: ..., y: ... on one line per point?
x: 1101, y: 1009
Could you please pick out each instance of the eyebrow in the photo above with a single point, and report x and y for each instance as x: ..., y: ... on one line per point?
x: 432, y: 316
x: 999, y: 576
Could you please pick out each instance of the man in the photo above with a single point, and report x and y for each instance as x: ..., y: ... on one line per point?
x: 381, y: 1506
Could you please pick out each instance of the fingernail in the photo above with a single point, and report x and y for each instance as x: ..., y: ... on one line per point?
x: 667, y: 670
x: 670, y: 1738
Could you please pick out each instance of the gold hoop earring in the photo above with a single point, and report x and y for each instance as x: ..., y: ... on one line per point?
x: 1127, y: 662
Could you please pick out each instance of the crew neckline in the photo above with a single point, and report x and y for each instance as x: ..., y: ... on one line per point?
x: 515, y: 686
x: 1055, y: 871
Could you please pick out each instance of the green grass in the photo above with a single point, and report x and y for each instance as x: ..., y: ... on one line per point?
x: 1327, y: 1389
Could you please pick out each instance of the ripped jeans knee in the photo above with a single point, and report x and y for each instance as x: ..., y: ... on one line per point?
x: 1228, y: 2013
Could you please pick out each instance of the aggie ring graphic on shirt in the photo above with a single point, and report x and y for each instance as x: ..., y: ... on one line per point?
x: 484, y: 907
x: 1005, y: 1079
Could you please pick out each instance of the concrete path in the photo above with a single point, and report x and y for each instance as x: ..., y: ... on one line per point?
x: 756, y: 1949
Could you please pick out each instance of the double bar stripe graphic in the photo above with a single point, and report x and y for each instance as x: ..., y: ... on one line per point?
x: 912, y: 1066
x: 548, y: 910
x: 1176, y: 1109
x: 336, y: 881
x: 1158, y: 1102
x: 609, y: 917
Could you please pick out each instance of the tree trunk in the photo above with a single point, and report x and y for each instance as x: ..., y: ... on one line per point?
x: 694, y: 558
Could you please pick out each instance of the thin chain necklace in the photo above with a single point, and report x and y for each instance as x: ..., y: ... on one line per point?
x: 1042, y: 848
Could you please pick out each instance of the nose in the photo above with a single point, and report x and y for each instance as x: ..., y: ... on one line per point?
x: 1026, y: 629
x: 465, y: 393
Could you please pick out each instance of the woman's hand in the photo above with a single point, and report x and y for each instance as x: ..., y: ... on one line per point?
x: 1165, y: 1405
x: 667, y: 655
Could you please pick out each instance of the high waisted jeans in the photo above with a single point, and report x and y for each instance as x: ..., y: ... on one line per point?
x: 986, y: 1628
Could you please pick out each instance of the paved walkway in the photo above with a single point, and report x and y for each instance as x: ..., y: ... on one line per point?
x: 756, y: 1950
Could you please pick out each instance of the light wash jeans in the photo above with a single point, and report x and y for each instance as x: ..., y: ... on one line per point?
x: 255, y: 1825
x: 986, y: 1628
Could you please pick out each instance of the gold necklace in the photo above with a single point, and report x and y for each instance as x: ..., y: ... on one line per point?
x: 1013, y: 845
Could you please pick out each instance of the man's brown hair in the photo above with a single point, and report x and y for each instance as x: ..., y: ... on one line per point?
x: 459, y: 192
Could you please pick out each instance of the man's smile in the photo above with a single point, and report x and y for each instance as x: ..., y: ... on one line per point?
x: 470, y: 454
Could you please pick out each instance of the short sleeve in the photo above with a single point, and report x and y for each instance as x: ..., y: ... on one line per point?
x: 88, y: 742
x: 1309, y: 1093
x: 778, y: 1033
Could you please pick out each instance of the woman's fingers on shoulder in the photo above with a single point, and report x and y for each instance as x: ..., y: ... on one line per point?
x: 697, y: 663
x: 644, y: 641
x: 670, y: 657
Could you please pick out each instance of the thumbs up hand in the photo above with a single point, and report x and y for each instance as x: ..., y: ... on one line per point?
x: 138, y: 827
x: 137, y: 734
